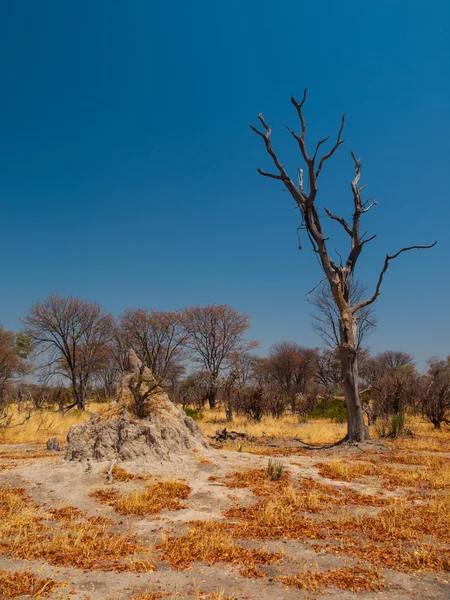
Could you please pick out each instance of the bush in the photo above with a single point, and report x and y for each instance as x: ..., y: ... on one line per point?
x: 334, y: 409
x: 391, y: 427
x: 194, y: 413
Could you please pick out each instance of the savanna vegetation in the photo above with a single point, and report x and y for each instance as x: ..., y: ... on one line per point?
x: 328, y: 467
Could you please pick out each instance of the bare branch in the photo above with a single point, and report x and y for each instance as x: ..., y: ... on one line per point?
x: 271, y: 175
x: 388, y: 258
x: 318, y: 146
x: 333, y: 149
x: 340, y: 220
x: 374, y: 203
x: 314, y: 288
x: 368, y: 239
x: 297, y: 194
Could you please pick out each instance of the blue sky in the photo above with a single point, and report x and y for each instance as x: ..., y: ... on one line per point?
x: 129, y: 171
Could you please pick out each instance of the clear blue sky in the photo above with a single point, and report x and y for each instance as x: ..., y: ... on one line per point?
x: 128, y: 171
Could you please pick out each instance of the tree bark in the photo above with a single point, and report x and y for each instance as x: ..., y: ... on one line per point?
x: 212, y: 395
x: 356, y: 428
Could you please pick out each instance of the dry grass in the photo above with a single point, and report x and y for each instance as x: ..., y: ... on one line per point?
x: 208, y: 543
x: 404, y: 536
x: 63, y: 538
x: 120, y: 474
x: 17, y: 455
x: 314, y: 432
x: 24, y: 585
x: 199, y: 595
x: 345, y: 471
x: 44, y: 424
x: 354, y: 579
x: 415, y: 471
x: 164, y: 495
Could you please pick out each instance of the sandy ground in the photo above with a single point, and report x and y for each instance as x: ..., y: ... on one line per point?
x: 53, y: 482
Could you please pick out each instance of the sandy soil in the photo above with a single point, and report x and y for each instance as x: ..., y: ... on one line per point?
x: 53, y: 482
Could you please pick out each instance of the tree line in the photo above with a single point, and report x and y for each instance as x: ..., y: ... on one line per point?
x: 77, y: 352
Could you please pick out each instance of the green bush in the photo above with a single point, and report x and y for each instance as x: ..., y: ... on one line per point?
x: 334, y: 409
x: 194, y: 413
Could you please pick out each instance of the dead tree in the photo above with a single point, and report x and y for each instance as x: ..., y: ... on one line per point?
x: 338, y: 276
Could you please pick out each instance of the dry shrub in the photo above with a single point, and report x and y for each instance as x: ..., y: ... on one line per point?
x: 207, y: 542
x: 354, y: 579
x: 24, y: 584
x: 63, y: 539
x: 164, y: 495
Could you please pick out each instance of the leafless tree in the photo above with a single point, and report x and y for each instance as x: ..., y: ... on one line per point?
x: 391, y: 359
x: 328, y: 372
x: 157, y: 337
x: 391, y: 380
x: 12, y: 359
x: 72, y: 337
x: 292, y: 370
x: 436, y: 392
x: 326, y: 317
x: 216, y: 333
x: 304, y: 192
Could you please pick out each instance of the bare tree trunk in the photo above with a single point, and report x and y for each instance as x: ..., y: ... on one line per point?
x: 356, y: 428
x: 212, y: 396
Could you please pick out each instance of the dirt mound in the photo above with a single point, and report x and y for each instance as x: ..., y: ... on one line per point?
x: 164, y: 433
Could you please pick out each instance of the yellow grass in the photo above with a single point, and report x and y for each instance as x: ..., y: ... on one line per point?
x: 164, y: 495
x: 44, y: 424
x: 354, y: 579
x: 318, y: 431
x: 24, y: 585
x: 208, y: 543
x: 411, y: 471
x: 63, y: 538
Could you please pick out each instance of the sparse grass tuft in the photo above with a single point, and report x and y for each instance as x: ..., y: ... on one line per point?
x: 353, y: 579
x: 63, y: 538
x: 120, y: 474
x: 164, y: 495
x: 275, y: 469
x: 24, y: 584
x: 207, y: 542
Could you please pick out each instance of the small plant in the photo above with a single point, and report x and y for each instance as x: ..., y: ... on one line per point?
x: 275, y: 469
x: 392, y: 427
x: 397, y: 424
x: 194, y: 413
